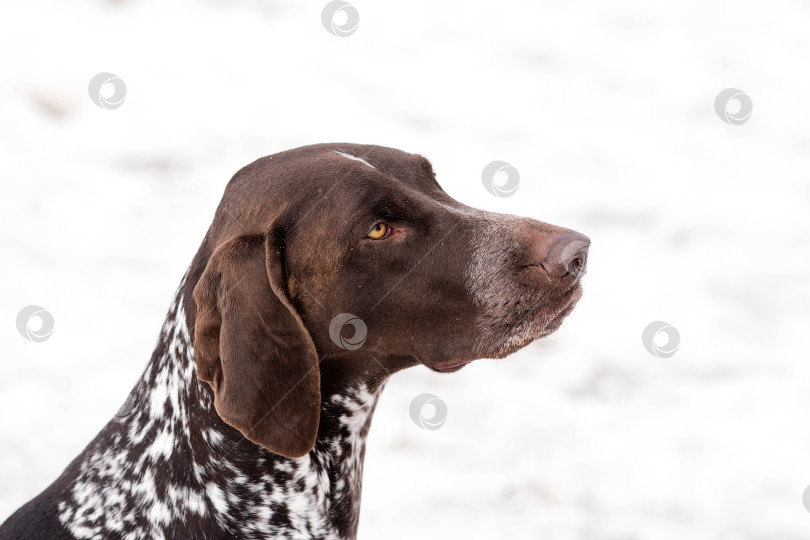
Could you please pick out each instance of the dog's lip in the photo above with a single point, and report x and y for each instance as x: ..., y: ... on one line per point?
x: 449, y: 366
x: 572, y: 298
x: 566, y: 305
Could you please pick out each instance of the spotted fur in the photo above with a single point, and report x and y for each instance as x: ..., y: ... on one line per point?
x: 167, y: 467
x: 286, y: 252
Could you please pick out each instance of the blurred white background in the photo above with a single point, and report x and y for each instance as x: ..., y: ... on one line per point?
x: 607, y: 111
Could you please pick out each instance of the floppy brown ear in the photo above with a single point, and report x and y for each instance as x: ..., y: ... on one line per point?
x: 253, y: 349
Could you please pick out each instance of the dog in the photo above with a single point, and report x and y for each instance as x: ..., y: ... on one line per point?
x: 326, y: 269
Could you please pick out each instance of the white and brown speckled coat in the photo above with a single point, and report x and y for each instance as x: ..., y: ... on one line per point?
x: 250, y: 420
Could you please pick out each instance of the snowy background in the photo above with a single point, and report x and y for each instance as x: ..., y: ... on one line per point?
x: 607, y: 111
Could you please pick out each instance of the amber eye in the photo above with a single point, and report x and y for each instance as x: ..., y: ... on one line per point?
x: 378, y: 232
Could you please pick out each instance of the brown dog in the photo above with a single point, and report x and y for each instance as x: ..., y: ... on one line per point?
x: 305, y: 246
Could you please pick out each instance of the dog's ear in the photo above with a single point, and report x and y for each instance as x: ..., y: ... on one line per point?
x: 253, y: 349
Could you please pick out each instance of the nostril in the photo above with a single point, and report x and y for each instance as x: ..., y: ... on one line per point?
x: 576, y: 266
x: 567, y: 256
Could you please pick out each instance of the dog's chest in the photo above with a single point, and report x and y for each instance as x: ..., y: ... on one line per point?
x: 166, y: 467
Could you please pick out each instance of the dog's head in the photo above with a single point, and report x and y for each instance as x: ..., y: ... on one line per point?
x: 353, y: 257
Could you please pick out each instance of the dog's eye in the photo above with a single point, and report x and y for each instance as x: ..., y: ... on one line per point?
x: 379, y: 231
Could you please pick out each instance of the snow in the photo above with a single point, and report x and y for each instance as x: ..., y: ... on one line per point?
x: 607, y: 112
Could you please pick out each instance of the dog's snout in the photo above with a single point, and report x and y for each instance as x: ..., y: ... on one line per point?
x: 566, y: 256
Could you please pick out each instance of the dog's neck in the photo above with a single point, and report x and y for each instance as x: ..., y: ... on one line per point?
x: 167, y: 463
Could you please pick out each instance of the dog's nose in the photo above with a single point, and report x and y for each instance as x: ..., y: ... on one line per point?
x: 567, y: 256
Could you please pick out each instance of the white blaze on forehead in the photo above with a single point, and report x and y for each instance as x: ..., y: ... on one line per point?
x: 355, y: 158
